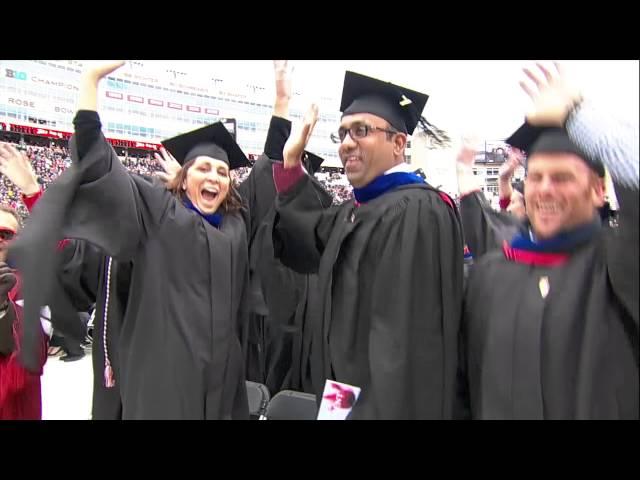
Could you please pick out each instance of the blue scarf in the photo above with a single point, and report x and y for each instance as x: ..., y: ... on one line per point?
x: 383, y: 184
x: 214, y: 219
x: 562, y: 243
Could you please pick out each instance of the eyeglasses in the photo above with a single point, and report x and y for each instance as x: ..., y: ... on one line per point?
x: 357, y: 131
x: 6, y: 234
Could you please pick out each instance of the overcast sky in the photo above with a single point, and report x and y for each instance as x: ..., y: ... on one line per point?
x: 466, y: 97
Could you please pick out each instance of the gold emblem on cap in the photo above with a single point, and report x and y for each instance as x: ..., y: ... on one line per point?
x: 405, y: 101
x: 543, y: 285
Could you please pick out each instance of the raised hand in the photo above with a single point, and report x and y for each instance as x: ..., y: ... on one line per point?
x: 467, y: 181
x: 98, y: 70
x: 298, y: 140
x: 508, y: 168
x: 169, y: 164
x: 553, y: 95
x: 15, y: 165
x: 283, y: 88
x: 466, y: 155
x: 93, y: 73
x: 283, y: 79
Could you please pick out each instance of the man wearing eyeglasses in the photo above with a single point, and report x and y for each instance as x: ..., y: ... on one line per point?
x: 389, y: 261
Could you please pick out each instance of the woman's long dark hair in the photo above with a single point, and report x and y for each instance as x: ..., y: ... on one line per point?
x: 231, y: 203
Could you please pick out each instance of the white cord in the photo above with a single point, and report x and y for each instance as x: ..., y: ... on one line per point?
x: 107, y: 363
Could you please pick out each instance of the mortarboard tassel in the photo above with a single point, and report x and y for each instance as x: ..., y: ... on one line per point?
x: 109, y: 378
x: 439, y: 137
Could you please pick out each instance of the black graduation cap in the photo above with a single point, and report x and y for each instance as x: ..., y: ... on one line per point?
x: 313, y: 162
x: 213, y: 141
x: 277, y: 135
x: 534, y: 139
x: 399, y: 106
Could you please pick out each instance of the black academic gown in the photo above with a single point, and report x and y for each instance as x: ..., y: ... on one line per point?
x: 180, y: 357
x: 277, y: 294
x: 83, y: 275
x: 65, y: 302
x: 484, y: 228
x: 571, y: 355
x: 281, y: 294
x: 258, y: 194
x: 389, y: 300
x: 107, y: 401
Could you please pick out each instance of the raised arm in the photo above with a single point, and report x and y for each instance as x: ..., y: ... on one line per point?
x: 111, y: 208
x: 303, y: 224
x: 95, y: 200
x: 484, y: 229
x: 15, y: 165
x: 507, y: 169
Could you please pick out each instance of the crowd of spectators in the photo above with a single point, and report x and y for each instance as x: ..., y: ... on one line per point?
x: 337, y: 185
x: 49, y: 160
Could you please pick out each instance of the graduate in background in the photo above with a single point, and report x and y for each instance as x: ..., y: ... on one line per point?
x: 484, y: 228
x: 511, y: 196
x: 278, y: 349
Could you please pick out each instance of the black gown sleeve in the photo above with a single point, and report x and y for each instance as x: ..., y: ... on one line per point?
x: 484, y: 228
x: 112, y: 209
x: 95, y: 200
x: 302, y: 226
x: 258, y: 190
x: 277, y: 135
x: 80, y: 273
x: 622, y: 251
x: 75, y: 288
x: 87, y: 131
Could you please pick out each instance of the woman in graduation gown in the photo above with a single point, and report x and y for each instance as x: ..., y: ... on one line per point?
x: 180, y: 357
x: 550, y: 328
x: 277, y: 299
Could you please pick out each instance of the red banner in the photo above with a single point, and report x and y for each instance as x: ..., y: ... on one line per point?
x: 40, y: 132
x: 49, y: 133
x: 116, y: 142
